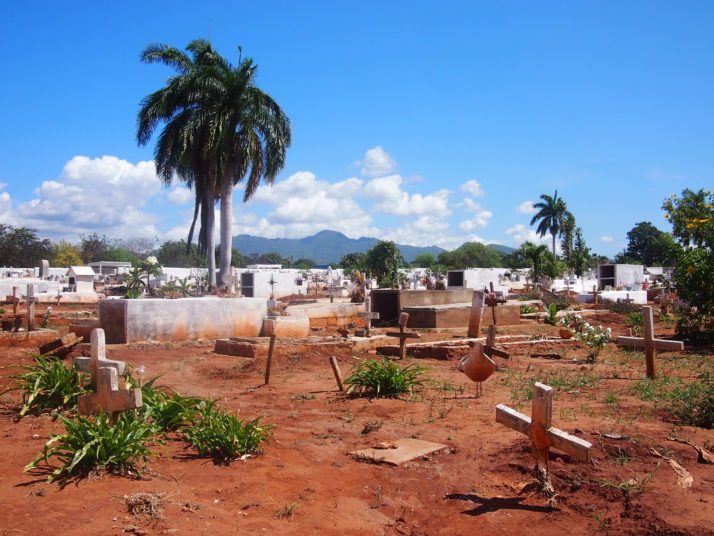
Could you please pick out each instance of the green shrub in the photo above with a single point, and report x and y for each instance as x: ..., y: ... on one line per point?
x: 621, y: 307
x: 635, y: 321
x: 221, y: 435
x: 526, y: 309
x: 97, y: 444
x: 168, y: 409
x: 693, y: 403
x: 552, y: 317
x: 384, y: 378
x: 48, y: 385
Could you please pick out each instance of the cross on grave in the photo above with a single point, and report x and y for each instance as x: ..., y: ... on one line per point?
x: 538, y: 428
x: 107, y: 396
x: 31, y: 300
x: 595, y: 294
x: 14, y: 299
x: 490, y: 346
x: 649, y: 343
x: 59, y: 297
x: 403, y: 335
x: 99, y: 356
x: 476, y: 314
x: 272, y: 284
x: 627, y: 300
x: 492, y: 301
x: 368, y: 315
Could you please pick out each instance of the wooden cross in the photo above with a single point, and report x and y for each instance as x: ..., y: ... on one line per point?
x: 99, y: 356
x: 14, y: 299
x: 492, y: 302
x: 107, y: 396
x: 595, y: 294
x: 538, y: 428
x: 626, y: 300
x: 367, y: 316
x: 490, y: 347
x: 476, y: 314
x: 31, y: 301
x: 403, y: 335
x: 649, y: 343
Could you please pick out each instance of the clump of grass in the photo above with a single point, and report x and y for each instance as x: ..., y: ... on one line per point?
x: 385, y: 378
x: 145, y: 505
x: 287, y: 511
x: 693, y: 403
x: 167, y: 408
x: 304, y: 396
x: 48, y: 385
x: 95, y: 444
x: 221, y: 435
x: 635, y: 322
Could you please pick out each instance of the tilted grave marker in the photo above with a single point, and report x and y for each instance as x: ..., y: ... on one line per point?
x: 269, y: 329
x: 649, y: 343
x: 492, y: 301
x: 403, y: 335
x: 31, y: 301
x: 368, y: 315
x: 490, y: 346
x: 337, y: 372
x: 107, y: 396
x: 476, y: 314
x: 538, y: 428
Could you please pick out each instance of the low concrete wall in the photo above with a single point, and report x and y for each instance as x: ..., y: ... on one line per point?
x: 327, y: 314
x: 389, y: 303
x: 457, y: 316
x: 83, y: 327
x: 289, y: 326
x: 127, y: 321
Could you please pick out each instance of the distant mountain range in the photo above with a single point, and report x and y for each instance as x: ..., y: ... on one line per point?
x: 326, y: 247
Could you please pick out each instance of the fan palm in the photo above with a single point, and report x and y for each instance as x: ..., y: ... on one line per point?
x: 553, y: 210
x: 182, y: 148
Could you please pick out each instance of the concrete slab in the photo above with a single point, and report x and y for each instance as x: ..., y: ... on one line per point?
x: 408, y: 449
x: 457, y: 315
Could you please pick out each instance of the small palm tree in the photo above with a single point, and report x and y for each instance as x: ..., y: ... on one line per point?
x: 552, y: 213
x: 535, y: 255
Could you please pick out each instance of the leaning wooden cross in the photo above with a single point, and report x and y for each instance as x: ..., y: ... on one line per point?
x: 107, y: 396
x: 538, y: 428
x: 490, y: 346
x: 649, y: 343
x: 368, y: 315
x: 31, y: 301
x: 14, y: 300
x: 492, y: 301
x: 403, y: 335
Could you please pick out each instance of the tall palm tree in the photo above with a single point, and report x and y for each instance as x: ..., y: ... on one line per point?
x: 250, y: 135
x: 553, y: 210
x: 182, y: 148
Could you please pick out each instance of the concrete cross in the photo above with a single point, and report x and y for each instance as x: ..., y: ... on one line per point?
x: 403, y: 335
x: 99, y: 356
x: 368, y: 315
x: 31, y: 301
x: 492, y: 302
x: 538, y: 428
x: 476, y: 314
x: 107, y: 396
x: 649, y: 343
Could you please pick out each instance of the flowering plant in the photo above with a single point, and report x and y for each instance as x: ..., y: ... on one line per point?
x: 594, y: 338
x: 572, y: 321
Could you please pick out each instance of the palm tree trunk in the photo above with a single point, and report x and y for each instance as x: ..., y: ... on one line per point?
x: 224, y: 276
x: 554, y: 244
x: 211, y: 236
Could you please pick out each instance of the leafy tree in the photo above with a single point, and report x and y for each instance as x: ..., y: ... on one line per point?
x: 553, y: 211
x: 471, y: 255
x: 515, y: 260
x: 353, y: 262
x: 20, y: 247
x: 304, y: 264
x: 237, y: 259
x: 175, y: 254
x: 581, y: 259
x: 383, y: 262
x: 93, y: 247
x: 649, y: 246
x: 268, y: 258
x: 692, y: 218
x: 424, y: 260
x: 65, y: 254
x: 537, y: 257
x: 567, y: 237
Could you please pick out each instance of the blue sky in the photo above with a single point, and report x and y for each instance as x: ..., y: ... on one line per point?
x: 422, y: 122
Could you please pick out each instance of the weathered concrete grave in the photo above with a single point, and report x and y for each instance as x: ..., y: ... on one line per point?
x: 403, y: 335
x: 98, y: 356
x: 538, y: 428
x: 649, y: 343
x: 407, y: 449
x: 107, y: 396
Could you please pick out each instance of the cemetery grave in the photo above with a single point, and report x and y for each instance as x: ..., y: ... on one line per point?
x: 482, y: 481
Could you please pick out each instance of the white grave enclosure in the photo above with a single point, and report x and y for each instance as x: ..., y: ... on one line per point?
x: 81, y: 279
x: 628, y: 276
x: 478, y: 279
x: 278, y: 283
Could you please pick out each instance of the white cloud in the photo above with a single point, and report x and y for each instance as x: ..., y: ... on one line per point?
x: 393, y: 200
x: 520, y: 233
x: 377, y: 162
x: 102, y: 195
x: 479, y: 221
x: 179, y: 196
x: 606, y: 239
x: 304, y: 184
x: 526, y: 208
x: 473, y: 187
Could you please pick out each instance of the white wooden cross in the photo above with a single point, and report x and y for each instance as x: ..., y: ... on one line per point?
x: 538, y: 428
x: 403, y: 335
x: 476, y: 314
x: 107, y: 396
x: 31, y: 300
x: 99, y: 356
x: 649, y: 343
x: 368, y: 315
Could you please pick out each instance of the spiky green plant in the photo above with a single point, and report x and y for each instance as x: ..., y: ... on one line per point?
x: 385, y: 378
x: 221, y: 435
x: 92, y: 444
x: 48, y: 385
x: 167, y: 408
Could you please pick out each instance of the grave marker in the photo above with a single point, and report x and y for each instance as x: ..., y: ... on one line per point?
x: 649, y: 343
x: 367, y: 316
x: 44, y: 269
x: 492, y: 301
x: 337, y: 372
x: 476, y: 313
x: 490, y: 347
x: 595, y: 294
x: 538, y: 428
x: 403, y: 335
x: 14, y: 299
x: 269, y: 328
x: 31, y: 300
x: 99, y: 356
x: 107, y: 396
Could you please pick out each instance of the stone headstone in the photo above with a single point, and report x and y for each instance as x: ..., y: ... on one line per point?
x: 44, y: 269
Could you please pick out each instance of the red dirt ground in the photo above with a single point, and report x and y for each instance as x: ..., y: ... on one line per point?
x: 478, y: 486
